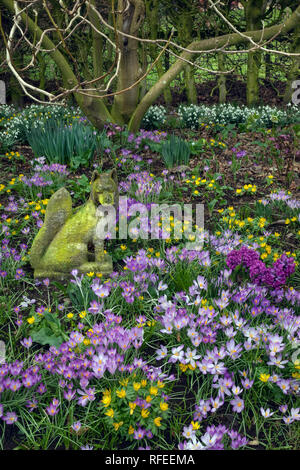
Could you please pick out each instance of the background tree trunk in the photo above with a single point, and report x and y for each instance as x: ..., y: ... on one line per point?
x: 254, y: 10
x: 93, y: 105
x: 294, y: 72
x: 185, y: 36
x: 232, y: 39
x: 130, y: 71
x: 222, y: 78
x: 153, y: 22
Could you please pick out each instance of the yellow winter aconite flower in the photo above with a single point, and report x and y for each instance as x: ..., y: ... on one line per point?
x: 106, y: 400
x: 195, y: 425
x: 130, y: 430
x: 132, y: 407
x: 157, y: 421
x: 145, y: 413
x: 121, y: 393
x: 264, y: 377
x: 117, y: 425
x: 297, y: 364
x: 124, y: 382
x: 163, y: 406
x: 136, y: 386
x: 110, y: 413
x: 31, y: 320
x: 153, y: 391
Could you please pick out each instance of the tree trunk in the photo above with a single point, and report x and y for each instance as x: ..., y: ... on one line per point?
x: 130, y: 70
x: 190, y: 85
x: 232, y: 39
x: 42, y: 71
x: 152, y: 18
x: 93, y: 106
x: 185, y: 37
x: 14, y: 88
x: 222, y: 78
x: 294, y: 72
x: 254, y: 10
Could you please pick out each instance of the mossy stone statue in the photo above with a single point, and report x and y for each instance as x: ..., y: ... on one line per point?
x: 68, y: 238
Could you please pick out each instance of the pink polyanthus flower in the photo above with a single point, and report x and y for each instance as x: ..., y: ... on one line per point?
x: 273, y: 277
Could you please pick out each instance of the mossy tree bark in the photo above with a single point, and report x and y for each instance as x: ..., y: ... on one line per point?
x: 14, y: 89
x: 42, y: 72
x: 93, y: 106
x: 130, y: 71
x: 126, y: 104
x: 152, y: 9
x: 222, y: 78
x: 185, y: 37
x: 294, y: 72
x: 254, y: 10
x: 232, y: 39
x: 97, y: 44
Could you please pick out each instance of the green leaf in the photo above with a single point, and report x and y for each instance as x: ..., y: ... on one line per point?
x: 45, y: 336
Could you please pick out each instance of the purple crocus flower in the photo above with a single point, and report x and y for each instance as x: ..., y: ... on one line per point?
x: 101, y: 290
x: 237, y: 404
x: 139, y: 433
x: 10, y: 417
x: 94, y: 307
x: 86, y: 396
x: 76, y: 426
x: 52, y: 409
x: 26, y: 342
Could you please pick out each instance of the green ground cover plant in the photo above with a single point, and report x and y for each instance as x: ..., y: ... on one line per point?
x: 177, y: 348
